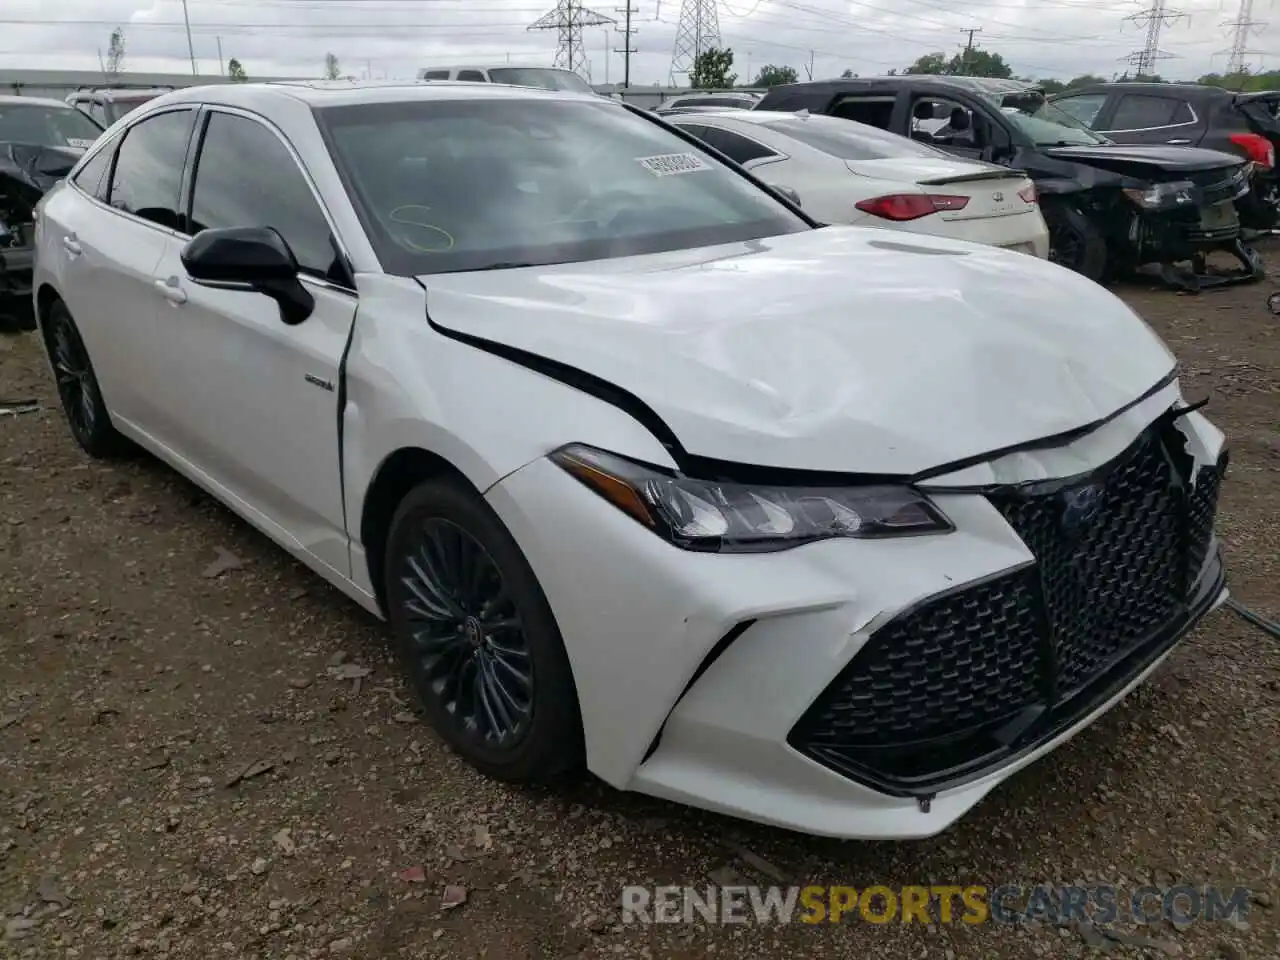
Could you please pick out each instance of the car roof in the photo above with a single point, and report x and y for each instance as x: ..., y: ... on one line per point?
x: 765, y: 117
x: 494, y: 66
x: 975, y: 84
x: 336, y: 93
x: 125, y: 93
x: 7, y: 100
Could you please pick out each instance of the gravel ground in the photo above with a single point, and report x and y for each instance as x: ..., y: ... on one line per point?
x: 183, y: 775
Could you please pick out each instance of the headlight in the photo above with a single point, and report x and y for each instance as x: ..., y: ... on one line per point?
x: 1176, y: 194
x: 742, y: 518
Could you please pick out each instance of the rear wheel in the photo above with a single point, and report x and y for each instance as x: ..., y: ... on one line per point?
x: 78, y: 390
x: 478, y: 638
x: 1075, y: 242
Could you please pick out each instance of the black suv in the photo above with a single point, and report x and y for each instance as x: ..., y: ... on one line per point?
x: 1110, y: 207
x: 1191, y: 114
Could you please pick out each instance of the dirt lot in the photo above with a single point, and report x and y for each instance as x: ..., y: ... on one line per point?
x: 143, y: 670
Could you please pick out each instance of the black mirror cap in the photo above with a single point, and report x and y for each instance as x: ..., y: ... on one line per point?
x: 250, y: 255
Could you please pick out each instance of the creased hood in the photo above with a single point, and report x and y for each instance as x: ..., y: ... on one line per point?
x: 841, y: 349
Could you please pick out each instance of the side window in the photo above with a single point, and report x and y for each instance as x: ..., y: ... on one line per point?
x: 436, y: 75
x: 246, y: 177
x: 471, y: 75
x: 873, y: 111
x: 148, y: 168
x: 737, y: 148
x: 1084, y: 107
x: 93, y: 177
x: 1183, y: 113
x: 694, y: 130
x: 1141, y: 112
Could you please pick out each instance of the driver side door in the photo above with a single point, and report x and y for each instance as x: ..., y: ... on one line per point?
x: 259, y: 398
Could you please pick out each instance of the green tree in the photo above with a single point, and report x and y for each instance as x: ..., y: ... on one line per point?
x: 1050, y: 86
x: 771, y: 76
x: 711, y: 70
x: 115, y: 52
x: 1085, y: 80
x: 235, y: 71
x: 978, y: 63
x: 1245, y: 81
x: 332, y: 69
x: 933, y: 63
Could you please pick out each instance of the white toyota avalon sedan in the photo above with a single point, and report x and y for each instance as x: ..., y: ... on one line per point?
x: 833, y: 529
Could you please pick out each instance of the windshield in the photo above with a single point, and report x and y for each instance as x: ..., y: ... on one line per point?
x: 1045, y: 123
x: 120, y: 107
x: 850, y: 140
x: 47, y: 126
x: 447, y: 185
x: 544, y: 77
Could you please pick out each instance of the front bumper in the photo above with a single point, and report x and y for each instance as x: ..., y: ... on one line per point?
x: 802, y: 689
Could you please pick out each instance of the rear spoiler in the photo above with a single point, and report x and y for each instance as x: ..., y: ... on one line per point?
x: 997, y: 173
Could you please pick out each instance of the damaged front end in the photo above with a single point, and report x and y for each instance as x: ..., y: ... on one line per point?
x: 27, y: 171
x: 1182, y: 221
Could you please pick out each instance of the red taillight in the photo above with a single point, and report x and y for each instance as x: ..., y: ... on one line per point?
x: 1256, y: 147
x: 909, y: 206
x: 1028, y: 193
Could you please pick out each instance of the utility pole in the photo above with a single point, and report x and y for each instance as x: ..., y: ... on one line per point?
x: 627, y: 50
x: 968, y: 50
x: 809, y: 68
x: 190, y: 46
x: 222, y: 69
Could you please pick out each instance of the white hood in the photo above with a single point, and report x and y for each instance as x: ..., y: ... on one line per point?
x: 840, y: 349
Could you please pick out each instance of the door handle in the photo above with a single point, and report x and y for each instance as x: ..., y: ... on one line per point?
x: 171, y: 291
x: 1179, y: 140
x: 71, y: 245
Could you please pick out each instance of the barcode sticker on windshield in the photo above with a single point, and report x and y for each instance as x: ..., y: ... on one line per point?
x: 76, y: 142
x: 670, y: 164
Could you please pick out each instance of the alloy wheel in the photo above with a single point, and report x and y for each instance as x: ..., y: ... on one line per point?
x: 76, y: 387
x: 465, y: 638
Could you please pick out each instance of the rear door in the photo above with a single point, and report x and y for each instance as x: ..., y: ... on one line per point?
x: 111, y: 237
x: 1089, y: 108
x: 1152, y: 118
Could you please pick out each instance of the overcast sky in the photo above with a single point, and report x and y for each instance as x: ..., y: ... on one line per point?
x: 392, y: 38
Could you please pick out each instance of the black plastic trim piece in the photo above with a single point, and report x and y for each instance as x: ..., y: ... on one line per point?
x: 1051, y: 723
x: 712, y: 656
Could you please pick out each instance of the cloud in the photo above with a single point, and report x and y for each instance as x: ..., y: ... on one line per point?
x: 393, y: 38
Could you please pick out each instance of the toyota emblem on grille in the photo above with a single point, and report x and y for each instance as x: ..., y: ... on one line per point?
x: 997, y: 196
x: 1080, y: 507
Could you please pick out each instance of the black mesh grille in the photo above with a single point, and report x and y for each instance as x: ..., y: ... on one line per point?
x: 965, y: 660
x: 1109, y: 559
x: 956, y: 680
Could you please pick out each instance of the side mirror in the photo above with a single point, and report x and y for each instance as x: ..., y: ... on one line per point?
x: 789, y: 193
x: 249, y: 258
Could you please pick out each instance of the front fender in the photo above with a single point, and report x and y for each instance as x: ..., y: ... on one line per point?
x: 407, y: 386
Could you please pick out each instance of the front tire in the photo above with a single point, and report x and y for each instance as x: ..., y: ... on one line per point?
x: 477, y: 637
x: 78, y: 390
x: 1075, y: 242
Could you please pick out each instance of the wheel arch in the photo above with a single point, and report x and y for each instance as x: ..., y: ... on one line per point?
x: 398, y: 473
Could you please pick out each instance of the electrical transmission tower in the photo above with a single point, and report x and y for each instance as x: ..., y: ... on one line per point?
x: 1155, y: 18
x: 697, y: 32
x: 1241, y: 28
x: 569, y: 18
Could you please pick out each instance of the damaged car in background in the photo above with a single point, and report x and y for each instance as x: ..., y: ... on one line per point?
x: 40, y: 141
x: 1111, y: 208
